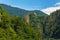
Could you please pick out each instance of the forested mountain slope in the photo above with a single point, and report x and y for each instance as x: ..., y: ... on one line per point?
x: 14, y: 28
x: 28, y: 25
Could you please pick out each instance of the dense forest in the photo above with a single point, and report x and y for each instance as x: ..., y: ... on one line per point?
x: 33, y: 26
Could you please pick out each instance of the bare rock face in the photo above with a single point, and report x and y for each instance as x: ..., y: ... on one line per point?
x: 0, y: 16
x: 26, y: 18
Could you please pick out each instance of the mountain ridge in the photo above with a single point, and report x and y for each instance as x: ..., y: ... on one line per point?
x: 20, y: 12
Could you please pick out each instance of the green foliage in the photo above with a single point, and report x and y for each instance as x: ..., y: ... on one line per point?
x: 50, y: 25
x: 53, y: 25
x: 14, y: 28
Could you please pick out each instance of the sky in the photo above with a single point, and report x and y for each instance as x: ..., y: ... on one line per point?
x: 46, y: 6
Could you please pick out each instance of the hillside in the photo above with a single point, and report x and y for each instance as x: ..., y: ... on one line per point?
x: 14, y: 28
x: 28, y: 25
x: 53, y: 25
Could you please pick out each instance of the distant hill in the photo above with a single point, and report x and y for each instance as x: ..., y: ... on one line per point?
x: 18, y: 11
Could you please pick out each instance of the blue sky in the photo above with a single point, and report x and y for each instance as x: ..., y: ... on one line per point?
x: 31, y: 4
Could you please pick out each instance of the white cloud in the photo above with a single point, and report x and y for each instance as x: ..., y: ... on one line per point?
x: 51, y: 9
x: 57, y: 4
